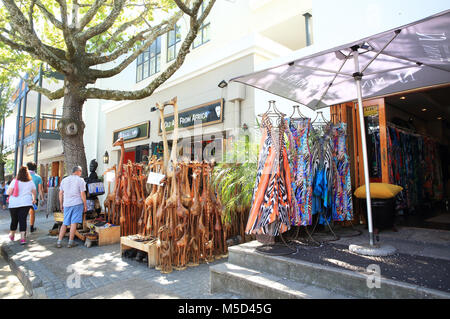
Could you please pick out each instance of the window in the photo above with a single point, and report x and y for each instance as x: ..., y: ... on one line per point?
x: 149, y: 61
x: 173, y: 37
x: 203, y: 33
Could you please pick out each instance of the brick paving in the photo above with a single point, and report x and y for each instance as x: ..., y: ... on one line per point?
x: 100, y: 272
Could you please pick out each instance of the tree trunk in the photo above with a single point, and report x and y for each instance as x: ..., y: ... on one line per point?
x: 2, y: 172
x: 71, y: 128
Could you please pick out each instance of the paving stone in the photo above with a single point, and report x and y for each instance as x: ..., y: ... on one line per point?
x: 103, y: 272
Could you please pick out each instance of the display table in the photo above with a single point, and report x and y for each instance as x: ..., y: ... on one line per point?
x: 146, y: 246
x: 106, y: 236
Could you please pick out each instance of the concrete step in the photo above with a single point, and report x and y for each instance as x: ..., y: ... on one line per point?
x: 254, y: 284
x: 347, y: 282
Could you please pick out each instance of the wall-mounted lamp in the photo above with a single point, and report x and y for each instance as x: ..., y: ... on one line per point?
x: 106, y: 158
x: 222, y: 84
x: 245, y: 127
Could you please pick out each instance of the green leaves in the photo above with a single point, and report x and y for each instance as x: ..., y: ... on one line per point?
x: 234, y: 182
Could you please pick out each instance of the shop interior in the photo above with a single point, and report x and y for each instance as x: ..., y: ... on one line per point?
x: 418, y: 155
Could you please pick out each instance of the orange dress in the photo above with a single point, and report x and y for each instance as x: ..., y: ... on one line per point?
x: 271, y: 211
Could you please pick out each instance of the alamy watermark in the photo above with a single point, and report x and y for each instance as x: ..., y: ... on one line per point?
x: 373, y: 276
x: 73, y: 281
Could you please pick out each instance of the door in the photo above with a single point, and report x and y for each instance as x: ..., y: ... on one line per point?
x: 129, y: 156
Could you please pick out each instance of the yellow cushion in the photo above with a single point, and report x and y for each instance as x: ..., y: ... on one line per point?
x: 379, y: 190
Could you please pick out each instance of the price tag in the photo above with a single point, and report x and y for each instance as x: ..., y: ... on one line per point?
x: 110, y: 177
x: 155, y: 178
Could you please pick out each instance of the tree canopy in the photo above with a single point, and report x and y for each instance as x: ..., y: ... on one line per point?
x: 87, y: 40
x: 80, y: 38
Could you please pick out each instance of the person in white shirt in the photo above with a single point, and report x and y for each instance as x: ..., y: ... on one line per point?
x: 22, y: 196
x: 72, y: 198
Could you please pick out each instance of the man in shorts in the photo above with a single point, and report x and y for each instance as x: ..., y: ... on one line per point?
x: 37, y: 180
x: 72, y: 198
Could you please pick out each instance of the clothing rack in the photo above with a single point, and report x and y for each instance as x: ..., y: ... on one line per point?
x: 411, y: 132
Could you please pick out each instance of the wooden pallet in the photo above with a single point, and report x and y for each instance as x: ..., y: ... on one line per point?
x: 146, y: 246
x: 88, y: 239
x: 106, y: 236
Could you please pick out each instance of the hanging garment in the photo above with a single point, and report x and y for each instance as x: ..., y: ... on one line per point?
x: 414, y: 165
x: 300, y: 162
x: 321, y: 156
x: 272, y: 201
x: 342, y: 203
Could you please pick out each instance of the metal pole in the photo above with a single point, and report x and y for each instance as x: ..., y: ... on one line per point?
x: 16, y: 147
x: 307, y: 27
x: 38, y: 119
x: 358, y: 77
x: 22, y: 135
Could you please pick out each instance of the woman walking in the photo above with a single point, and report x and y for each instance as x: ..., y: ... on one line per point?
x: 22, y: 193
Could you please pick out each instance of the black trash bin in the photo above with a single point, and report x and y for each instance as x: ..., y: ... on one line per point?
x: 383, y: 213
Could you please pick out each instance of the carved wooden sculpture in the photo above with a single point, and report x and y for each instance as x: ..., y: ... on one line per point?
x: 195, y: 213
x: 209, y: 214
x: 182, y: 223
x: 109, y: 200
x: 186, y: 197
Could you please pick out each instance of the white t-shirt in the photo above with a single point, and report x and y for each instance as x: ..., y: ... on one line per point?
x: 72, y: 186
x: 25, y: 197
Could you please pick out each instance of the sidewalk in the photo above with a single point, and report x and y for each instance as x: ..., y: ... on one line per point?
x: 101, y: 271
x: 10, y: 286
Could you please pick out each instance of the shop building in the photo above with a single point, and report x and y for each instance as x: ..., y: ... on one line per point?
x: 35, y: 118
x: 419, y: 117
x: 222, y: 51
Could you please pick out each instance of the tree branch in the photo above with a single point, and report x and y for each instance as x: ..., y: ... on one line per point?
x: 118, y: 95
x: 49, y: 15
x: 183, y: 7
x: 105, y: 25
x: 102, y: 48
x: 68, y: 39
x: 155, y: 32
x: 28, y: 36
x: 49, y: 94
x: 88, y: 16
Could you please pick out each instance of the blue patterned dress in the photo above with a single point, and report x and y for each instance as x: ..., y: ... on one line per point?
x: 342, y: 203
x: 300, y: 162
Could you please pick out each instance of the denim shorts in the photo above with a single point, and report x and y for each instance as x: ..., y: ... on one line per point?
x: 73, y: 214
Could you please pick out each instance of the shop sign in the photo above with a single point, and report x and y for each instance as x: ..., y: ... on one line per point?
x: 129, y: 134
x: 133, y: 133
x: 371, y: 110
x: 29, y: 148
x: 205, y: 114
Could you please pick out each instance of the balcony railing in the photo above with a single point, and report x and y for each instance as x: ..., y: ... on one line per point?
x: 48, y: 129
x: 48, y: 124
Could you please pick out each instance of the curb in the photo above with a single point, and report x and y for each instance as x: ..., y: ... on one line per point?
x: 32, y: 283
x: 328, y: 277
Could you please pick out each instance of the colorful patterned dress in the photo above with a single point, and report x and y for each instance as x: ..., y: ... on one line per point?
x: 272, y: 195
x: 321, y: 156
x: 342, y: 206
x: 300, y: 162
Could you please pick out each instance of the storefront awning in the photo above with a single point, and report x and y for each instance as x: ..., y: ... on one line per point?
x: 410, y: 57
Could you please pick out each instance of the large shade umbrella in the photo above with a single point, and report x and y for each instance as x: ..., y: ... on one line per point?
x: 414, y: 56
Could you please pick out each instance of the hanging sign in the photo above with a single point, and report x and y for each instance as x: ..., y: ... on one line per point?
x: 133, y: 133
x: 29, y: 150
x: 371, y: 110
x: 155, y: 178
x: 205, y: 114
x: 129, y: 134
